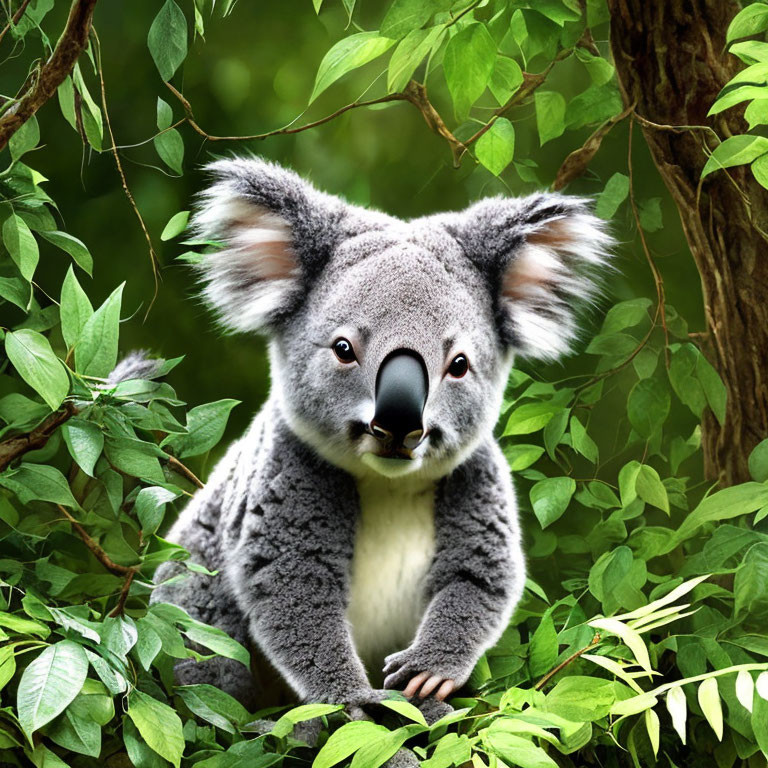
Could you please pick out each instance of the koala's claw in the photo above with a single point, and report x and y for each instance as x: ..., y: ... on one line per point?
x: 406, y: 668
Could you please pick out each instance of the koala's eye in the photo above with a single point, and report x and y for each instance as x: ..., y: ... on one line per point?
x: 343, y: 350
x: 458, y: 367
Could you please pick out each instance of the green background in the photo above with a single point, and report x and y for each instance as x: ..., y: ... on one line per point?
x: 254, y: 73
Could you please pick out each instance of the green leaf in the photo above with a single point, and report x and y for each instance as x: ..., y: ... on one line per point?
x: 582, y: 442
x: 713, y: 387
x: 581, y: 699
x: 380, y: 748
x: 496, y: 147
x: 596, y: 104
x: 760, y: 166
x: 347, y: 740
x: 158, y: 724
x: 150, y: 507
x: 736, y: 150
x: 625, y: 314
x: 96, y: 349
x: 747, y: 22
x: 75, y: 309
x: 758, y: 462
x: 650, y: 489
x: 406, y: 709
x: 49, y: 684
x: 410, y: 52
x: 136, y: 458
x: 25, y: 138
x: 76, y: 728
x: 214, y: 706
x: 529, y: 417
x: 682, y: 377
x: 649, y: 212
x: 300, y: 714
x: 468, y: 63
x: 403, y: 16
x: 170, y: 148
x: 167, y: 39
x: 21, y: 245
x: 600, y: 70
x: 71, y: 245
x: 648, y: 406
x: 205, y: 426
x: 515, y: 750
x: 66, y: 97
x: 90, y: 112
x: 175, y: 226
x: 750, y: 590
x: 38, y: 482
x: 550, y: 115
x: 709, y: 701
x: 614, y: 194
x: 550, y: 498
x: 85, y: 442
x: 521, y: 456
x: 31, y: 355
x: 506, y: 79
x: 348, y: 54
x: 543, y: 648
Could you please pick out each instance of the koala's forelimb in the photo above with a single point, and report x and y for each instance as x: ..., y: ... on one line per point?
x: 290, y: 570
x: 475, y: 580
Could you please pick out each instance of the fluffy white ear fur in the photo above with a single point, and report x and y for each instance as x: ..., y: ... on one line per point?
x: 256, y: 272
x: 553, y: 271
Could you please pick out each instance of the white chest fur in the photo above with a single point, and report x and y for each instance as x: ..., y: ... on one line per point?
x: 394, y: 546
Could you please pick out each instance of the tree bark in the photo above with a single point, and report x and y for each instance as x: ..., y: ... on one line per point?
x: 670, y: 60
x: 50, y: 76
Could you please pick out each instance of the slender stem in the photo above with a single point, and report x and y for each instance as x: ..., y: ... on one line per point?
x: 113, y: 148
x: 53, y: 72
x: 14, y: 447
x: 177, y: 466
x: 93, y: 545
x: 660, y: 294
x: 563, y: 664
x: 15, y: 19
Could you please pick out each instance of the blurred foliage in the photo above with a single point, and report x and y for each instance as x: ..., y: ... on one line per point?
x: 647, y: 600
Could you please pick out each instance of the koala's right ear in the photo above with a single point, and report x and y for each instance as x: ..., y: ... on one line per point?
x: 276, y: 232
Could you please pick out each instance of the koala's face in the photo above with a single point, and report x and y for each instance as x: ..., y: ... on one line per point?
x: 391, y: 341
x: 393, y: 364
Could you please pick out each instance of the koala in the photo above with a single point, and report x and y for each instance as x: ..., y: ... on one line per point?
x: 365, y: 527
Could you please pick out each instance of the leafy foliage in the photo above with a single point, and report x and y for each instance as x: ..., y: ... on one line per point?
x: 647, y: 601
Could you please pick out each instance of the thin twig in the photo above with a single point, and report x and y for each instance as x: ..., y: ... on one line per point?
x: 120, y: 607
x: 563, y: 664
x: 644, y: 121
x: 113, y: 149
x: 177, y: 466
x: 278, y: 131
x: 93, y: 545
x: 14, y: 447
x: 530, y: 83
x: 660, y: 294
x: 50, y: 75
x: 15, y: 18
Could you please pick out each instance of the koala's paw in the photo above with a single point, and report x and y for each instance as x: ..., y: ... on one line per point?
x: 421, y: 672
x: 359, y: 703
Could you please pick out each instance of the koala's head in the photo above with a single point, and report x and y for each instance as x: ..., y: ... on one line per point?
x: 391, y: 341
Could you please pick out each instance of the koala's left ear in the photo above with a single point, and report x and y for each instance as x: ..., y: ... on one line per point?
x: 542, y: 256
x: 276, y: 231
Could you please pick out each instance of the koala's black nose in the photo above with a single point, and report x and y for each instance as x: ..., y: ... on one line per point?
x: 401, y: 393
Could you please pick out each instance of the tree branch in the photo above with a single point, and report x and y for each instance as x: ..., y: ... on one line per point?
x: 15, y: 19
x: 279, y: 131
x: 14, y: 447
x: 93, y: 545
x: 563, y: 664
x: 51, y: 74
x: 177, y: 466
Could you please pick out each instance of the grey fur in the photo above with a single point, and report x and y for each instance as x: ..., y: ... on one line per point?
x: 282, y: 515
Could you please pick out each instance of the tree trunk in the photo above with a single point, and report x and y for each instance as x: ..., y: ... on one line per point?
x: 670, y: 61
